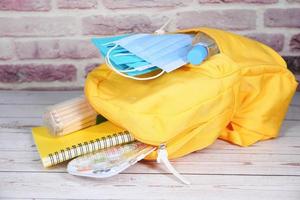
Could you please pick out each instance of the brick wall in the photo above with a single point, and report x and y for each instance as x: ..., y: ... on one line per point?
x: 45, y: 43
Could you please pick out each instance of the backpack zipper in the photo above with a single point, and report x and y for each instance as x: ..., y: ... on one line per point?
x: 162, y: 156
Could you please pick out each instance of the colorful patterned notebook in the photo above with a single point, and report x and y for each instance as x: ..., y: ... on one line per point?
x: 54, y: 150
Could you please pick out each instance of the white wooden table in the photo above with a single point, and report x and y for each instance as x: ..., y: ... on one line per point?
x: 266, y: 170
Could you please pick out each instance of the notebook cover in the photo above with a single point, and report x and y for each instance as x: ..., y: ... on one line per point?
x: 53, y: 149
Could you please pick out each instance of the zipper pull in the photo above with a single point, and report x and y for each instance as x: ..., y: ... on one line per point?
x: 162, y: 156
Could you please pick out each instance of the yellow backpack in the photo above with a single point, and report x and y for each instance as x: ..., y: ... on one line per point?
x: 240, y: 95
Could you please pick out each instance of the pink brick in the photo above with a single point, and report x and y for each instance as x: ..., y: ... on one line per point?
x: 119, y: 4
x: 80, y: 4
x: 36, y: 49
x: 6, y: 49
x: 77, y: 49
x: 38, y: 26
x: 275, y: 41
x: 108, y: 25
x: 210, y: 1
x: 295, y: 43
x: 227, y: 19
x: 239, y: 1
x: 25, y: 5
x: 37, y: 73
x: 282, y: 18
x: 49, y: 49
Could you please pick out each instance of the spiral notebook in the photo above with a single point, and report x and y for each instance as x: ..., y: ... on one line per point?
x: 54, y: 150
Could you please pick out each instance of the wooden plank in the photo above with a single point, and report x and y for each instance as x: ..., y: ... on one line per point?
x: 196, y: 163
x: 17, y: 111
x: 293, y: 113
x: 36, y: 110
x: 147, y: 186
x: 18, y: 116
x: 266, y: 170
x: 51, y: 97
x: 296, y: 99
x: 282, y: 145
x: 27, y: 115
x: 14, y: 130
x: 24, y: 123
x: 288, y: 129
x: 17, y: 142
x: 282, y: 155
x: 36, y: 97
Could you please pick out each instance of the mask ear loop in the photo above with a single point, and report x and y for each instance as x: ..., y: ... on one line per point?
x: 161, y: 30
x: 109, y: 64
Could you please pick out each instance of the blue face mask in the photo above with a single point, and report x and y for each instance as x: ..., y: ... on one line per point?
x: 126, y: 40
x: 121, y: 59
x: 167, y: 52
x: 173, y: 60
x: 159, y: 43
x: 143, y: 43
x: 172, y: 56
x: 140, y: 54
x: 103, y: 43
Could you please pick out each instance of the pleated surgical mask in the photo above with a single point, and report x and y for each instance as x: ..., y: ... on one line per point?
x: 123, y: 62
x: 145, y: 54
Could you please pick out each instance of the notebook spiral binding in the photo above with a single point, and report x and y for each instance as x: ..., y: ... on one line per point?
x: 87, y: 147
